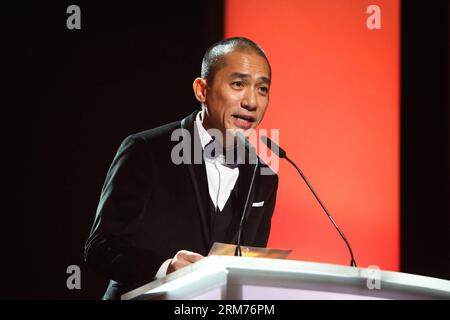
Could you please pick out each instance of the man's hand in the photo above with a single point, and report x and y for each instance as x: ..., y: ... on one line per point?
x: 182, y: 259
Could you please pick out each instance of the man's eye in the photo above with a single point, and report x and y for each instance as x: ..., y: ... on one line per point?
x: 264, y: 90
x: 237, y: 84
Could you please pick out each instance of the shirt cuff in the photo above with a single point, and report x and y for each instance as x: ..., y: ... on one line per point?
x: 162, y: 271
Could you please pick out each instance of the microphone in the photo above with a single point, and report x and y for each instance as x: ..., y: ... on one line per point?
x: 252, y: 153
x: 282, y: 154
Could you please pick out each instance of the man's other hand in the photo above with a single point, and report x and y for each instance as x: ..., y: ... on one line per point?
x: 182, y: 259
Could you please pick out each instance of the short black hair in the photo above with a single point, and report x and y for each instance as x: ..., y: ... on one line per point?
x: 214, y: 58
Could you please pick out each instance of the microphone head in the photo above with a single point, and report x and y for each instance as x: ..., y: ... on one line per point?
x: 273, y: 147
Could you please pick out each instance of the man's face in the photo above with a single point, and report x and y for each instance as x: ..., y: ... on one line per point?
x: 239, y: 94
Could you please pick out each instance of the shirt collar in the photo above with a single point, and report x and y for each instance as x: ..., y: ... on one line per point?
x: 205, y: 137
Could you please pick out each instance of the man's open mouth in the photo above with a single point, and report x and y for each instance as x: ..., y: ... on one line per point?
x: 243, y: 121
x: 244, y: 117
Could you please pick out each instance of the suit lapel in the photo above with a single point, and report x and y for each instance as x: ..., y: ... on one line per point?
x: 199, y: 180
x: 197, y: 172
x: 245, y: 176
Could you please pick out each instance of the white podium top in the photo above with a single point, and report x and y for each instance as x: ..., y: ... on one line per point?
x: 224, y: 277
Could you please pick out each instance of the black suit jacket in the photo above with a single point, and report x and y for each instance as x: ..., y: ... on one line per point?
x: 150, y: 208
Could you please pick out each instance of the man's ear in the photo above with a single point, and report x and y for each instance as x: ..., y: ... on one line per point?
x: 199, y: 87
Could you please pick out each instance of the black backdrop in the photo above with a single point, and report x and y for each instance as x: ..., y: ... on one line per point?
x: 425, y: 213
x: 72, y: 96
x: 75, y: 95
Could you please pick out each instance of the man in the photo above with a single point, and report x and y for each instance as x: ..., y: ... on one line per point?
x: 155, y: 215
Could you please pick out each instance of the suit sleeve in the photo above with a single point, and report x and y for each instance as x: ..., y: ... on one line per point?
x: 262, y: 235
x: 109, y: 249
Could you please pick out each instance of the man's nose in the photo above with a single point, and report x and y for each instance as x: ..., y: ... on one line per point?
x: 249, y: 101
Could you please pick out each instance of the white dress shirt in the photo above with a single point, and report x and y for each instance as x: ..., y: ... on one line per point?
x: 221, y: 179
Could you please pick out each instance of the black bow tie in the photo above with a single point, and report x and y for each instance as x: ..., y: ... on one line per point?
x: 232, y: 157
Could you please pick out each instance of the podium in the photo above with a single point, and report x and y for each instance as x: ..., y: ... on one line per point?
x: 242, y: 278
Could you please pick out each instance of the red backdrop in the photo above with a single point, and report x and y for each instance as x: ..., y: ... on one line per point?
x: 335, y: 98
